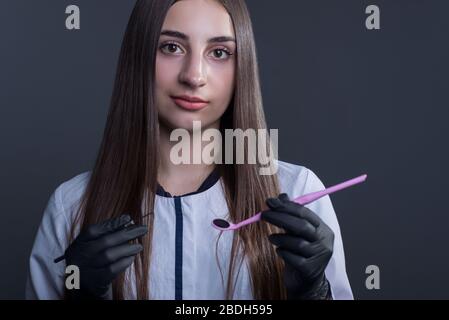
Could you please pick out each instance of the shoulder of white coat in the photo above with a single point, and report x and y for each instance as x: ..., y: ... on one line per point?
x: 69, y: 193
x: 296, y: 180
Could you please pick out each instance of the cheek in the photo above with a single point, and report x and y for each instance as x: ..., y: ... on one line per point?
x: 166, y: 73
x: 224, y: 82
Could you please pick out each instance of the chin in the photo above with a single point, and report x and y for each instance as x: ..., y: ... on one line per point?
x: 185, y: 122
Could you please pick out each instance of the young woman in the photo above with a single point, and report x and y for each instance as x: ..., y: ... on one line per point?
x: 185, y: 61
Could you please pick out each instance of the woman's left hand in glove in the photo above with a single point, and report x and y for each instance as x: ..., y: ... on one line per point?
x: 306, y: 247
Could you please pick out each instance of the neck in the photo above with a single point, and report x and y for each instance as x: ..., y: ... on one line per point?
x: 180, y: 179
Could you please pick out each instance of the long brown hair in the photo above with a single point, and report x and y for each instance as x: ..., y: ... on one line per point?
x: 124, y: 177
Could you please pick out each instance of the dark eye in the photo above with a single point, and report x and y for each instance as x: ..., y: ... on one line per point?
x: 170, y: 48
x: 221, y: 54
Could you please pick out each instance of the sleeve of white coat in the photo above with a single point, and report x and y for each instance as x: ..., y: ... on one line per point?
x: 336, y: 269
x: 46, y: 278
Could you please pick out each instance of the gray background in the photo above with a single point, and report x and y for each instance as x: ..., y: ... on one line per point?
x: 346, y: 101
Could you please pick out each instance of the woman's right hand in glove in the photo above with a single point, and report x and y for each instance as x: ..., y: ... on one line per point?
x: 101, y: 252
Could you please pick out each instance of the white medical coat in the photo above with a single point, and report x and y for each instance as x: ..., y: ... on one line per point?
x: 184, y: 264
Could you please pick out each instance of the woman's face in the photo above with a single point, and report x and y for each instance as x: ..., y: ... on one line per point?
x: 196, y: 59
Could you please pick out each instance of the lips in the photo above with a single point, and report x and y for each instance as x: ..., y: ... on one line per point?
x: 190, y: 103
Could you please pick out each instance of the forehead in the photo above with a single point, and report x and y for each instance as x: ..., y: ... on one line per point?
x: 199, y: 18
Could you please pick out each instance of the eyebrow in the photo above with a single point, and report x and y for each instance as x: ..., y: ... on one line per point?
x: 183, y: 36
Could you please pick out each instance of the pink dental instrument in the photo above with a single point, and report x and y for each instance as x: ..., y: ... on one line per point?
x: 224, y: 225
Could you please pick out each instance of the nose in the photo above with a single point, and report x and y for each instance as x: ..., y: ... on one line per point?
x: 193, y: 73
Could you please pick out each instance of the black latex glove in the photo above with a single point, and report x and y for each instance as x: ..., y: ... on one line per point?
x: 102, y: 252
x: 306, y: 247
